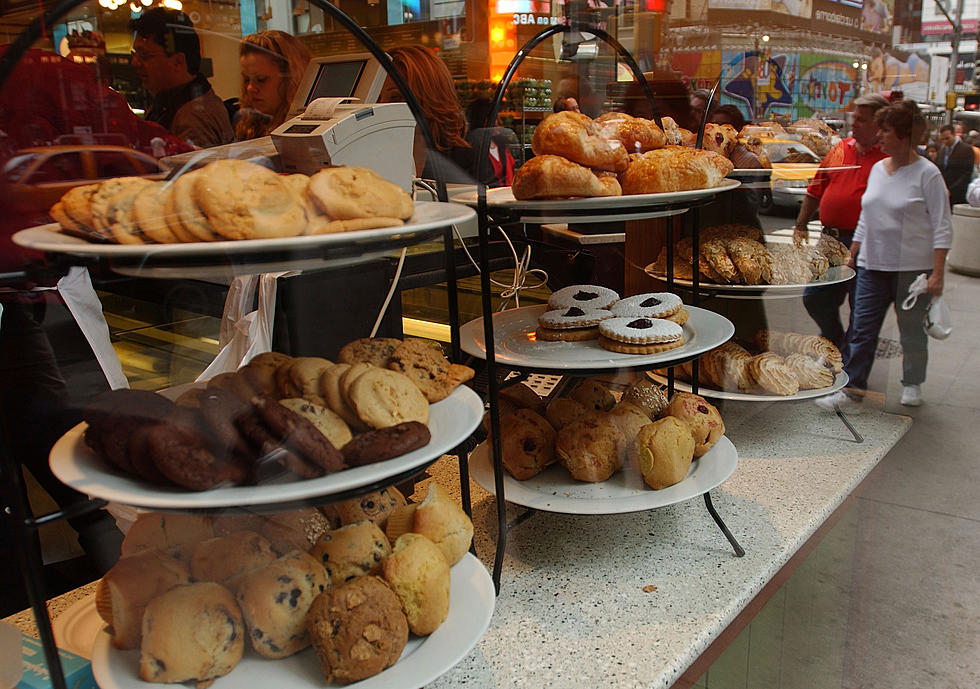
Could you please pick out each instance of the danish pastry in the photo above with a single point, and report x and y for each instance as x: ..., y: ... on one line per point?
x: 551, y: 176
x: 578, y: 138
x: 674, y: 168
x: 810, y: 373
x: 773, y: 375
x: 636, y: 134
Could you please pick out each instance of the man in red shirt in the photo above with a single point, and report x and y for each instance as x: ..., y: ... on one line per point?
x: 837, y: 193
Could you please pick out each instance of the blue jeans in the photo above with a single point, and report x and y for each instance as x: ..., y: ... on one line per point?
x: 877, y: 290
x: 823, y: 304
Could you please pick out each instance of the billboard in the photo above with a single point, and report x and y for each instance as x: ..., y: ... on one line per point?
x: 933, y: 21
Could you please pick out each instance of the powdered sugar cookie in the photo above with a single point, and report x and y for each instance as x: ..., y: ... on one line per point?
x: 640, y: 330
x: 649, y: 305
x: 585, y: 297
x: 572, y: 317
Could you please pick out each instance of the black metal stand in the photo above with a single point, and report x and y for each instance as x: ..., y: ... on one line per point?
x: 858, y: 438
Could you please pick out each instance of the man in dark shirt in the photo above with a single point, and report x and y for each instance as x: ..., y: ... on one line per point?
x: 956, y: 163
x: 167, y: 58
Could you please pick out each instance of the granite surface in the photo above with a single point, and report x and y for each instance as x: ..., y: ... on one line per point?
x: 573, y: 612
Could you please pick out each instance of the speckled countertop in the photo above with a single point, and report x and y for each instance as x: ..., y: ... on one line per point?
x: 572, y: 610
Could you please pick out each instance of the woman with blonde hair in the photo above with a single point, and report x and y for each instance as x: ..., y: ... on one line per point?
x: 272, y: 64
x: 432, y: 85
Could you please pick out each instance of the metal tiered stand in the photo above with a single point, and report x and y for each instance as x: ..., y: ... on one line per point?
x: 579, y: 211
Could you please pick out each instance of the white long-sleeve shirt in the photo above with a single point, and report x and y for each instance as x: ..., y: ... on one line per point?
x: 973, y: 192
x: 904, y: 217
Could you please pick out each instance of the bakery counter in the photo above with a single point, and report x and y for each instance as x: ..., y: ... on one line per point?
x: 633, y: 600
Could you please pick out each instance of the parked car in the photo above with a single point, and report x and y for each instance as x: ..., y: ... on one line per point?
x: 33, y: 179
x: 793, y: 166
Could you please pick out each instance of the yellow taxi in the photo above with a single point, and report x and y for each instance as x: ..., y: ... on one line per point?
x: 793, y: 166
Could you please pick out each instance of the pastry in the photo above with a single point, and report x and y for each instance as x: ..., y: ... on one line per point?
x: 676, y: 135
x: 773, y: 375
x: 243, y: 200
x: 593, y: 394
x: 369, y: 350
x: 274, y: 600
x: 639, y: 335
x: 636, y: 134
x: 628, y: 418
x: 591, y: 448
x: 809, y: 373
x: 716, y: 253
x: 701, y: 416
x: 563, y: 411
x: 551, y: 177
x: 521, y: 396
x: 375, y: 507
x: 227, y: 559
x: 173, y: 533
x: 381, y: 398
x: 428, y: 369
x: 125, y: 590
x: 351, y: 551
x: 662, y: 452
x: 325, y: 421
x: 527, y: 444
x: 836, y: 253
x: 646, y: 395
x: 440, y: 519
x: 357, y: 629
x: 578, y: 138
x: 747, y: 255
x: 585, y: 297
x: 350, y: 192
x: 650, y: 305
x: 169, y: 654
x: 384, y: 443
x: 674, y: 168
x: 720, y: 138
x: 295, y: 529
x: 419, y: 575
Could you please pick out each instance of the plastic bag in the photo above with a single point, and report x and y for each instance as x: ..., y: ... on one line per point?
x: 937, y: 322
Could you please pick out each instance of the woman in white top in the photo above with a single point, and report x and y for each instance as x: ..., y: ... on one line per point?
x: 904, y: 229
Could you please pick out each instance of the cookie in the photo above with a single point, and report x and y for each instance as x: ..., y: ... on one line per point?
x: 428, y: 369
x: 243, y: 200
x: 185, y: 459
x: 352, y: 551
x: 330, y: 386
x: 304, y: 374
x: 542, y: 334
x: 220, y: 408
x: 640, y: 330
x: 260, y: 372
x: 119, y: 216
x: 680, y: 318
x: 375, y: 507
x: 77, y: 205
x: 184, y: 215
x: 232, y: 382
x: 649, y: 305
x: 368, y: 350
x: 381, y: 397
x: 326, y: 421
x: 104, y: 210
x: 355, y: 224
x: 347, y: 379
x: 627, y: 348
x: 299, y: 435
x: 572, y: 317
x: 149, y: 211
x: 585, y: 297
x: 68, y: 225
x: 349, y: 192
x: 378, y: 445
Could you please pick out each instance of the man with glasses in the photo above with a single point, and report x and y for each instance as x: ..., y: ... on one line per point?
x: 167, y: 57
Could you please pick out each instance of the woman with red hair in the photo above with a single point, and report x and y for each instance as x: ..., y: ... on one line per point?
x: 272, y: 64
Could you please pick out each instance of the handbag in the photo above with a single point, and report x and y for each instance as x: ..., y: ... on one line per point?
x: 938, y: 322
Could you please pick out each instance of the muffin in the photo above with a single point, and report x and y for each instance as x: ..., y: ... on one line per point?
x: 522, y: 397
x: 124, y: 592
x: 357, y: 629
x: 563, y: 411
x: 352, y: 551
x: 591, y: 449
x: 594, y: 395
x: 295, y: 530
x: 662, y: 452
x: 418, y: 573
x: 274, y: 601
x: 227, y: 559
x: 176, y: 534
x: 701, y: 416
x: 646, y: 395
x: 527, y: 444
x: 440, y: 519
x: 629, y: 419
x: 169, y: 653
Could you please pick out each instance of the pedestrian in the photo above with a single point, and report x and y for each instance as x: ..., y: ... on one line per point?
x: 956, y: 163
x: 905, y: 229
x: 837, y: 193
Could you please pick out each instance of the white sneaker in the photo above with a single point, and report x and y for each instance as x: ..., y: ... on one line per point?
x: 911, y: 395
x: 841, y: 400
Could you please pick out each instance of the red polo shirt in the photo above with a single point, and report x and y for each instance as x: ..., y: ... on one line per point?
x: 840, y: 191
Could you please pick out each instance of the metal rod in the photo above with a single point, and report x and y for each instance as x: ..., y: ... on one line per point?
x: 739, y: 552
x: 521, y: 518
x: 858, y: 438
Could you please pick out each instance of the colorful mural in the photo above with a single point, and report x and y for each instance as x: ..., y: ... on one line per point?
x: 760, y: 83
x: 827, y: 85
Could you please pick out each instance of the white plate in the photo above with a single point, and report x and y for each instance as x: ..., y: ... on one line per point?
x: 833, y: 276
x: 429, y: 217
x: 514, y: 344
x: 554, y: 489
x: 840, y: 380
x: 76, y: 628
x: 451, y: 421
x: 751, y: 172
x: 594, y: 208
x: 471, y: 602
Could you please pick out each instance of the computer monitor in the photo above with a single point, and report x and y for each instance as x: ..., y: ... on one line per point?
x: 356, y: 75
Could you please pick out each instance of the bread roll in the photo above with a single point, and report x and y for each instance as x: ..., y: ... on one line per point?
x: 192, y: 633
x: 418, y: 573
x: 124, y: 592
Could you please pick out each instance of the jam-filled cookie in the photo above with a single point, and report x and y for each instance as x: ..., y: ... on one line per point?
x: 586, y: 297
x: 630, y: 335
x: 649, y: 305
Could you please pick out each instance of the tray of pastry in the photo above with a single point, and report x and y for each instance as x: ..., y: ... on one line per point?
x: 278, y: 430
x: 517, y: 344
x: 840, y: 381
x: 593, y: 209
x: 738, y: 261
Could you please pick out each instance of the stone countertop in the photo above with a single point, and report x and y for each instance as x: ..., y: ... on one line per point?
x: 572, y: 610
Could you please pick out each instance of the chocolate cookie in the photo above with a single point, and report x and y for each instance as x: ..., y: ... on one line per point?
x: 385, y: 443
x: 220, y: 408
x: 369, y: 350
x: 299, y: 435
x: 270, y: 457
x: 184, y: 458
x: 114, y: 415
x: 139, y: 453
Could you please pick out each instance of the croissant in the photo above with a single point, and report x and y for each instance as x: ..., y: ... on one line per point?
x: 549, y: 176
x: 579, y: 138
x: 636, y: 134
x: 673, y: 168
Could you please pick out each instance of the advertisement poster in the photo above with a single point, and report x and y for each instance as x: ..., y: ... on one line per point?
x: 891, y: 70
x: 934, y: 23
x: 701, y: 69
x: 760, y: 83
x: 827, y: 85
x: 795, y: 8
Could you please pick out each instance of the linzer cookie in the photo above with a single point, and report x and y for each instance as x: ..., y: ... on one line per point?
x: 649, y: 305
x: 630, y: 335
x: 570, y: 325
x: 585, y: 297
